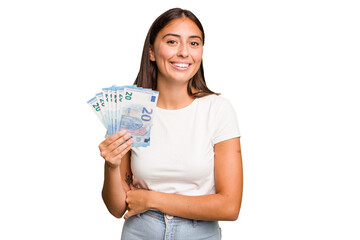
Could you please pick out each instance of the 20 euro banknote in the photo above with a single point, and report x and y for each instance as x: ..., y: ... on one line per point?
x: 137, y: 114
x: 129, y: 108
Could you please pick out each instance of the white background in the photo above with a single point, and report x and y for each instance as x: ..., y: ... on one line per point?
x: 290, y: 68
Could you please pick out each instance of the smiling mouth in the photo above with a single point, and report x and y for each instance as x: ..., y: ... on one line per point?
x: 181, y: 65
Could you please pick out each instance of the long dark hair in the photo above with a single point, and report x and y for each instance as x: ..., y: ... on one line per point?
x: 147, y: 76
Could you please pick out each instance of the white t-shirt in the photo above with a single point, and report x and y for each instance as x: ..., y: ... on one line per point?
x: 180, y: 158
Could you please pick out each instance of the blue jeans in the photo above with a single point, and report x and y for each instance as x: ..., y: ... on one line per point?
x: 155, y: 225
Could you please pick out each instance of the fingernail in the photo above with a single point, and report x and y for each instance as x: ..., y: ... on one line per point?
x: 122, y: 132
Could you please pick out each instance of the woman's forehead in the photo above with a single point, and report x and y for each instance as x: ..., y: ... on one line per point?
x: 181, y: 26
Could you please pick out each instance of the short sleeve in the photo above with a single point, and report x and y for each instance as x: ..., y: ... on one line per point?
x: 226, y: 124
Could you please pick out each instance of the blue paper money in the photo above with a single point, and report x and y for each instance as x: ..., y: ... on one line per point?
x: 129, y: 108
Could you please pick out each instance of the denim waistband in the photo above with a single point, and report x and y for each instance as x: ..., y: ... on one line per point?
x: 166, y: 218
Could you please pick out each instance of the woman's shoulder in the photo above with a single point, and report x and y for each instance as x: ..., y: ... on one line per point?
x: 214, y: 99
x: 215, y: 105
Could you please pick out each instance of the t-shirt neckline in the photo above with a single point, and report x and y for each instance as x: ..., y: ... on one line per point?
x: 177, y: 110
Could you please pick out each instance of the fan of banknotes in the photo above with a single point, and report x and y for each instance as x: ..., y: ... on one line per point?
x: 129, y: 108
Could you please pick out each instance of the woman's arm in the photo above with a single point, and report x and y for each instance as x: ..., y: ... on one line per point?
x: 115, y: 151
x: 223, y: 205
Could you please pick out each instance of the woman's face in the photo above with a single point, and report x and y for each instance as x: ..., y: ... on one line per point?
x: 178, y: 50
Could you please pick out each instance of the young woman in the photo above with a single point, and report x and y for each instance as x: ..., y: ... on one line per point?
x: 191, y: 175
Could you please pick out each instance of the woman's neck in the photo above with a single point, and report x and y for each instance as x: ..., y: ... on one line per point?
x: 173, y: 96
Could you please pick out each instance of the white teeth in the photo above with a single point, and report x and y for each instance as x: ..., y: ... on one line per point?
x: 182, y: 65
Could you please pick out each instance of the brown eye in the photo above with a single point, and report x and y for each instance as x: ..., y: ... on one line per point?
x: 172, y: 42
x: 194, y: 44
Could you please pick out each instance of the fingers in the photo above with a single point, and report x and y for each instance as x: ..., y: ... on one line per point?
x: 112, y: 142
x: 111, y: 139
x: 115, y: 147
x: 119, y: 145
x: 129, y: 211
x: 114, y: 158
x: 129, y: 214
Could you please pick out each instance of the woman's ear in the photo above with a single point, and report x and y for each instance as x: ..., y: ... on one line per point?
x: 151, y: 54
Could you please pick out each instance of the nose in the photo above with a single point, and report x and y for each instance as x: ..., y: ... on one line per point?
x: 183, y: 50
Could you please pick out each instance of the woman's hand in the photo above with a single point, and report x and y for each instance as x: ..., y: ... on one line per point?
x: 115, y: 147
x: 137, y: 200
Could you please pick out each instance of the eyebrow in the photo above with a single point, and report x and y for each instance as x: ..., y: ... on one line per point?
x: 177, y: 35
